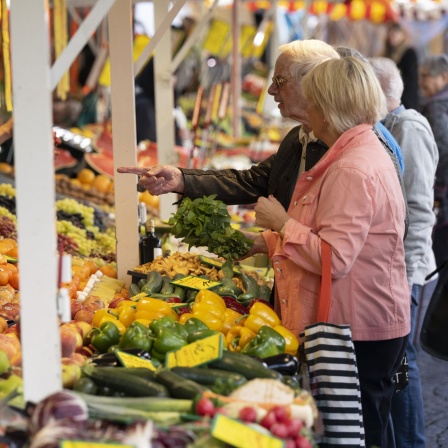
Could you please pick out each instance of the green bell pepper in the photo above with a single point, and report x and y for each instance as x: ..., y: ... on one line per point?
x: 201, y: 334
x: 194, y: 324
x: 163, y: 322
x: 135, y: 337
x: 168, y: 339
x: 105, y: 336
x: 267, y: 342
x: 181, y: 330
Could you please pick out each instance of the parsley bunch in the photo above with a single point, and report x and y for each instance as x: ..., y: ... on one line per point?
x: 206, y: 222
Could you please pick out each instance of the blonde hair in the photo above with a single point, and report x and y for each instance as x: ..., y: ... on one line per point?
x: 347, y: 91
x: 306, y: 54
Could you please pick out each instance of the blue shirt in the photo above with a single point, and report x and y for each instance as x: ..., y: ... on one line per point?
x: 392, y: 143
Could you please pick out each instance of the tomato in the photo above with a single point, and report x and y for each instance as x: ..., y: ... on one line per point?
x: 268, y: 420
x: 279, y: 430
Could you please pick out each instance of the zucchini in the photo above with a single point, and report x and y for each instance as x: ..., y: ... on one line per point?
x: 86, y: 386
x: 153, y: 283
x: 141, y: 372
x: 127, y: 383
x: 264, y: 293
x: 167, y: 287
x: 250, y: 285
x: 179, y: 292
x: 245, y: 365
x: 133, y: 289
x: 141, y: 283
x: 209, y: 377
x: 149, y: 404
x: 177, y: 386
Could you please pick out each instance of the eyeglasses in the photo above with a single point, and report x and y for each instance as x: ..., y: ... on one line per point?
x: 279, y: 81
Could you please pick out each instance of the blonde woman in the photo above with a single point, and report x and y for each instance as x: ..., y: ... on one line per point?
x: 351, y: 199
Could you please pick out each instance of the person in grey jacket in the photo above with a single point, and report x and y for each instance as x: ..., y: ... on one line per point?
x: 416, y: 139
x: 434, y: 85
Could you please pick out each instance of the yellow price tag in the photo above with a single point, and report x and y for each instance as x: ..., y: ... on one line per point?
x: 240, y: 435
x: 85, y: 444
x: 128, y: 360
x: 139, y: 296
x: 194, y: 282
x: 216, y: 37
x: 197, y: 353
x: 216, y: 263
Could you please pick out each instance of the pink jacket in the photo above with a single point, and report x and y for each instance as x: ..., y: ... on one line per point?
x: 351, y: 199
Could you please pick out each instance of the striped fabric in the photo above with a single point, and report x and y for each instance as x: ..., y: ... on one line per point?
x: 329, y: 355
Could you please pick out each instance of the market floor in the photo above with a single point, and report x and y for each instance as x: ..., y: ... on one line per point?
x: 434, y: 377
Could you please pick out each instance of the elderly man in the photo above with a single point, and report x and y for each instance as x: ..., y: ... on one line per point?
x: 415, y: 137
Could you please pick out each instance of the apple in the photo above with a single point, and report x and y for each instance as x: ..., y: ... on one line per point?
x: 93, y: 303
x: 75, y: 306
x: 84, y: 316
x: 7, y: 346
x: 16, y: 359
x: 70, y: 375
x: 69, y: 340
x: 116, y: 302
x: 86, y: 351
x: 86, y: 328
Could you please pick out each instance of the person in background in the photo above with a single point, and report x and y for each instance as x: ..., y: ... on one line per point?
x: 434, y: 86
x: 398, y: 49
x: 416, y: 139
x: 343, y: 52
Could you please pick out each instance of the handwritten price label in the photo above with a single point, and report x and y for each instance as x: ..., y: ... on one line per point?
x: 240, y: 435
x: 84, y: 444
x: 197, y: 353
x: 129, y: 361
x: 194, y: 282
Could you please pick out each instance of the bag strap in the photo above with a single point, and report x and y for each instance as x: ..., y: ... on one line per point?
x: 323, y: 306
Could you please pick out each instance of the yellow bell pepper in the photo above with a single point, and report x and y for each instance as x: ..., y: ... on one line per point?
x: 210, y: 297
x: 98, y: 316
x: 174, y: 315
x: 266, y: 313
x: 231, y: 319
x: 291, y: 341
x: 184, y: 317
x: 209, y: 319
x: 126, y: 315
x: 124, y: 304
x: 145, y: 322
x: 121, y: 327
x: 148, y: 315
x: 153, y: 305
x: 238, y: 337
x: 208, y: 308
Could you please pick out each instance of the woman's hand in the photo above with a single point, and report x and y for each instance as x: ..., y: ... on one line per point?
x: 259, y: 244
x: 270, y: 214
x: 159, y: 179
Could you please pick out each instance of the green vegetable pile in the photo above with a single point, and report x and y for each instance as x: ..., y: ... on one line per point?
x: 206, y: 222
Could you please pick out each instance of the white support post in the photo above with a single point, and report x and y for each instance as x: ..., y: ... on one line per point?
x: 34, y: 169
x: 124, y: 134
x: 164, y: 102
x: 236, y: 69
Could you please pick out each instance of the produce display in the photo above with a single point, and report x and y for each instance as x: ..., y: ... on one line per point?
x: 190, y: 354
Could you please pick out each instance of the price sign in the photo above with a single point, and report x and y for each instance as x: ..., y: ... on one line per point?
x: 215, y: 263
x: 240, y: 435
x: 193, y: 282
x: 197, y: 353
x: 128, y: 360
x: 139, y: 296
x: 217, y: 35
x: 85, y: 444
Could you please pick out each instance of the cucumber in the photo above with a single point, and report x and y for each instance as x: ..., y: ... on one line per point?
x: 141, y: 283
x: 178, y: 386
x: 126, y: 383
x: 134, y: 289
x: 209, y: 377
x: 249, y: 367
x: 153, y: 283
x: 167, y: 287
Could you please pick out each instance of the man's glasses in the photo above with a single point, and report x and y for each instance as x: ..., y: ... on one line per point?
x: 279, y: 81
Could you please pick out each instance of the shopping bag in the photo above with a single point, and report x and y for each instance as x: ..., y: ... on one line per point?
x: 328, y: 357
x: 434, y: 330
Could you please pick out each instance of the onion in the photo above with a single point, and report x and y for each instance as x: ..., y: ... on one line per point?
x: 57, y: 406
